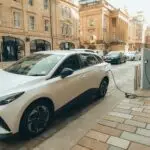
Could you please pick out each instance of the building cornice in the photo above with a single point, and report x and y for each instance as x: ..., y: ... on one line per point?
x: 16, y: 8
x: 68, y: 3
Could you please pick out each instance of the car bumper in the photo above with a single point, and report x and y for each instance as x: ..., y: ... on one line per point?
x: 4, y: 129
x: 4, y: 133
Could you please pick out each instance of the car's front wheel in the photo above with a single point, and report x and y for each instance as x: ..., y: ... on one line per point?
x: 103, y: 88
x: 36, y: 119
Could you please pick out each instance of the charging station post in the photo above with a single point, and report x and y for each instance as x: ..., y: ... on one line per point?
x: 145, y: 69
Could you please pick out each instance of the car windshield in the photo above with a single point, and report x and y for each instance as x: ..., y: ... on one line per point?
x: 35, y: 65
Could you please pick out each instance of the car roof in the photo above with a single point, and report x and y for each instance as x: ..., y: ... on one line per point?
x: 62, y: 52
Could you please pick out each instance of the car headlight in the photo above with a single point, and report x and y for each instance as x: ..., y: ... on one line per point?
x: 9, y: 98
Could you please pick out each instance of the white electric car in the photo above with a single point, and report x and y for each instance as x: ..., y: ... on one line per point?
x: 32, y: 89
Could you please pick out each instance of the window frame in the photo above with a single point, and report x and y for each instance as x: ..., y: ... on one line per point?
x: 31, y: 2
x: 83, y: 65
x: 46, y: 4
x: 15, y: 23
x: 55, y: 74
x: 46, y: 25
x: 29, y: 23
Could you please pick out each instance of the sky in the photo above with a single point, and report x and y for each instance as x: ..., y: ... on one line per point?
x: 133, y: 6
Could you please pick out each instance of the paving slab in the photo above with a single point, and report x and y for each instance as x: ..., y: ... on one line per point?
x: 78, y: 147
x: 121, y: 115
x: 148, y: 126
x: 144, y: 132
x: 123, y: 107
x: 136, y: 146
x: 108, y: 123
x: 136, y: 138
x: 141, y: 119
x: 114, y: 118
x: 142, y: 114
x: 118, y: 142
x: 97, y: 136
x: 92, y: 144
x: 137, y: 109
x: 135, y: 123
x: 107, y: 130
x: 146, y: 110
x: 126, y: 127
x: 115, y: 148
x: 125, y: 111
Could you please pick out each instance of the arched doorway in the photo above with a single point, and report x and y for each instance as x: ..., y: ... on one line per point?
x: 39, y: 45
x: 12, y: 48
x: 67, y: 46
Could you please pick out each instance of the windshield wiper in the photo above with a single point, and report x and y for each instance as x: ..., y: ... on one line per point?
x: 36, y: 75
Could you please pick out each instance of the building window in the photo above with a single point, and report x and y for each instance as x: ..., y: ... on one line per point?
x: 17, y: 19
x: 114, y: 22
x: 31, y: 23
x: 45, y: 4
x: 91, y: 22
x: 105, y: 24
x: 66, y: 29
x: 46, y: 25
x: 30, y: 2
x: 69, y: 12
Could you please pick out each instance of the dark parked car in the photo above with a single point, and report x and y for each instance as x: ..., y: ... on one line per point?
x: 115, y: 57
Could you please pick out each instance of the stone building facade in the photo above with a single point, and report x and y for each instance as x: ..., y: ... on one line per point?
x: 147, y: 37
x: 28, y: 26
x: 137, y: 31
x: 103, y: 26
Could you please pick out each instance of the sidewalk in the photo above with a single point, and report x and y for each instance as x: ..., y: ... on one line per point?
x: 127, y: 127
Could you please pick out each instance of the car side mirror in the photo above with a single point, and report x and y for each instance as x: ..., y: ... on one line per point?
x: 66, y: 72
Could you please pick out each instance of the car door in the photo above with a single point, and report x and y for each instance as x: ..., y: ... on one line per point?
x: 92, y: 72
x: 63, y: 90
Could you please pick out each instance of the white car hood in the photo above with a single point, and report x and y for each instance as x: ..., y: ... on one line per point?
x: 10, y: 82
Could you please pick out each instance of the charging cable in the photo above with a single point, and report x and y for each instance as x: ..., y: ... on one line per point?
x: 127, y: 95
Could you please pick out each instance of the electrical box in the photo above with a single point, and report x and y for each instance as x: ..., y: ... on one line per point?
x: 145, y: 69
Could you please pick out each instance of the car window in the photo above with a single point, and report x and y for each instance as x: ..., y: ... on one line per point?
x: 72, y: 62
x: 88, y: 60
x: 99, y: 59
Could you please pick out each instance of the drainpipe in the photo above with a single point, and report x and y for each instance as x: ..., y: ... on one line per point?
x: 51, y: 24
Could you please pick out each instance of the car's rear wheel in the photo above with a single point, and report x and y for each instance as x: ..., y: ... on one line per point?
x: 103, y: 88
x: 36, y: 119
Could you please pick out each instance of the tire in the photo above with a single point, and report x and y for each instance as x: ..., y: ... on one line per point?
x: 102, y: 88
x: 36, y: 119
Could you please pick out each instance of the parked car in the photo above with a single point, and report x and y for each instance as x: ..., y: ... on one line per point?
x: 35, y: 87
x: 115, y: 57
x: 133, y: 55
